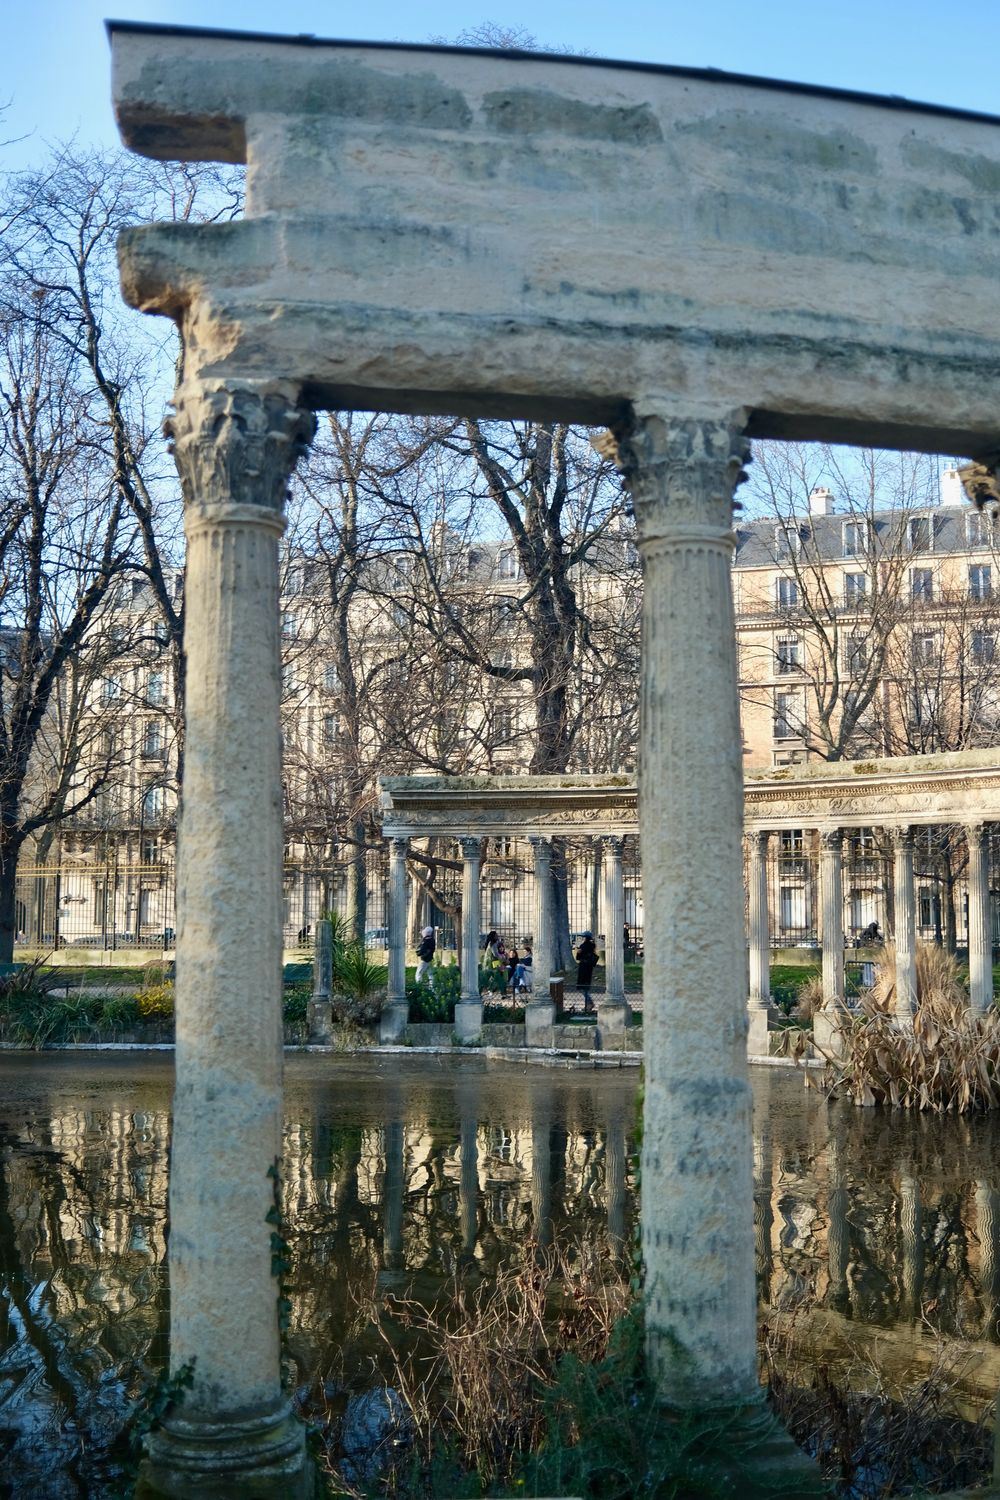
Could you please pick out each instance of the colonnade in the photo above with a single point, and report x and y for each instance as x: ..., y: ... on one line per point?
x: 831, y: 903
x: 612, y: 1008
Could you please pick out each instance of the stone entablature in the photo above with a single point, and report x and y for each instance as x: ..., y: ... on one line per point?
x: 958, y: 787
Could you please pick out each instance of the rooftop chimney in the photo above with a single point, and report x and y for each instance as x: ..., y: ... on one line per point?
x: 952, y: 492
x: 821, y: 501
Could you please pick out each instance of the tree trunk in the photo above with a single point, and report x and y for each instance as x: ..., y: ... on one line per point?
x: 356, y: 914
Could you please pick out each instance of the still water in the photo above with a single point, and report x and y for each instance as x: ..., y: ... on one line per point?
x: 878, y: 1236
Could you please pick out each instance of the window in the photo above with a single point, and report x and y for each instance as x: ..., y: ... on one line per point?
x: 855, y: 589
x: 856, y: 654
x: 331, y: 682
x: 507, y: 564
x: 152, y: 802
x: 787, y: 716
x: 786, y: 541
x: 289, y: 625
x: 853, y: 539
x: 111, y: 689
x: 152, y: 739
x: 984, y: 647
x: 920, y: 533
x: 924, y: 647
x: 789, y: 655
x: 980, y: 581
x: 788, y: 593
x: 156, y: 688
x: 288, y: 677
x: 503, y: 721
x: 331, y: 729
x: 979, y: 529
x: 922, y: 585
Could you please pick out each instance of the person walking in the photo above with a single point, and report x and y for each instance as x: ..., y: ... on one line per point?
x: 495, y: 959
x: 425, y: 956
x: 586, y: 961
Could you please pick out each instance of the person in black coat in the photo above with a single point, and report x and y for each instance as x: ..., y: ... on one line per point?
x: 586, y: 961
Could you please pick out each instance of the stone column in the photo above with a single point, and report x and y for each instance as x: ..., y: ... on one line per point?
x: 396, y: 1013
x: 828, y: 1021
x: 540, y: 1013
x: 906, y: 926
x: 980, y: 923
x: 469, y: 1010
x: 320, y: 1016
x: 235, y: 448
x: 759, y: 943
x: 697, y: 1185
x: 612, y: 1009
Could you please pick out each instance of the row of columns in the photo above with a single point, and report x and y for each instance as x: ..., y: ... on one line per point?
x: 236, y: 443
x: 831, y: 899
x: 613, y: 1014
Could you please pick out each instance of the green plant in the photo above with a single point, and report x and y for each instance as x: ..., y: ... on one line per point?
x: 358, y: 984
x: 155, y: 1002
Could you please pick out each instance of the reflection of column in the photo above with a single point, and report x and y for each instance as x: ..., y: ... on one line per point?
x: 235, y: 449
x: 763, y: 1206
x: 469, y: 1188
x: 469, y: 1010
x: 615, y: 1164
x: 838, y: 1243
x: 906, y: 930
x: 612, y: 1011
x: 393, y: 1258
x: 396, y: 1012
x: 539, y: 1013
x: 980, y: 938
x: 759, y: 938
x: 697, y: 1188
x: 912, y: 1244
x: 988, y: 1232
x: 541, y: 1173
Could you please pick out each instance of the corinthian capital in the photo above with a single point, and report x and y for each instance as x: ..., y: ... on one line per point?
x: 237, y: 444
x: 681, y: 471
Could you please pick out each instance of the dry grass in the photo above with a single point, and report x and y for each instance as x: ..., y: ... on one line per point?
x: 948, y: 1061
x: 810, y: 998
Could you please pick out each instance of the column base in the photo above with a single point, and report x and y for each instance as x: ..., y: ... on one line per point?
x: 258, y: 1459
x: 394, y: 1021
x: 539, y: 1019
x: 469, y: 1020
x: 828, y: 1032
x: 613, y: 1017
x: 320, y: 1022
x: 757, y: 1037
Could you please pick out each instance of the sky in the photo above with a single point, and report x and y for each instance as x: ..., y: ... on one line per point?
x: 54, y: 73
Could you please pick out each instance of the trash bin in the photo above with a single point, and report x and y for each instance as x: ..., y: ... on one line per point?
x: 557, y: 989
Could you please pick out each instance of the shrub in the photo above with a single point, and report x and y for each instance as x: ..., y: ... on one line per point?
x: 156, y: 1002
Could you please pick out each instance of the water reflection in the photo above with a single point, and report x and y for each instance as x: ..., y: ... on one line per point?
x: 871, y: 1232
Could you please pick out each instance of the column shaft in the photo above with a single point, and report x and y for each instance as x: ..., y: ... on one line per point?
x: 469, y: 1010
x: 540, y: 1012
x: 906, y: 927
x: 831, y: 899
x: 614, y: 922
x: 235, y: 449
x: 396, y: 1012
x: 697, y: 1213
x: 980, y: 936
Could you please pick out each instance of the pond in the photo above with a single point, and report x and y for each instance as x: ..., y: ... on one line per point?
x: 878, y: 1236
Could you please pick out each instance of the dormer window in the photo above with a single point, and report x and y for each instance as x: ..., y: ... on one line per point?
x: 979, y: 531
x: 920, y: 533
x: 786, y: 540
x: 853, y: 538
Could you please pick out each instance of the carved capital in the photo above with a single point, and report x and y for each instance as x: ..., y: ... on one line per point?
x: 237, y: 445
x: 398, y: 848
x: 831, y: 840
x: 471, y: 848
x: 902, y: 839
x: 758, y: 840
x: 542, y: 850
x: 614, y: 845
x: 974, y: 834
x: 681, y: 473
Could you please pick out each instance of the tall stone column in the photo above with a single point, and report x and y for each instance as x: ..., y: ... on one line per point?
x: 469, y: 1010
x: 980, y: 923
x: 233, y: 1433
x: 697, y: 1186
x: 759, y: 937
x: 612, y: 1009
x: 396, y: 1012
x: 828, y: 1022
x: 539, y: 1013
x: 320, y: 1015
x: 906, y: 926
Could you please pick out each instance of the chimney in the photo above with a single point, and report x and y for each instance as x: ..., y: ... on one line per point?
x: 821, y: 501
x: 952, y: 492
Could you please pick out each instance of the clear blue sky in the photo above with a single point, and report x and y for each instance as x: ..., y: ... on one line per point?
x: 55, y: 77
